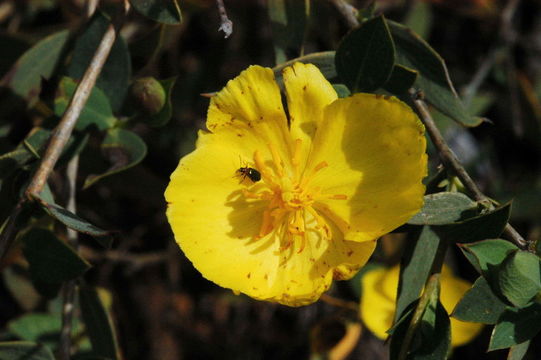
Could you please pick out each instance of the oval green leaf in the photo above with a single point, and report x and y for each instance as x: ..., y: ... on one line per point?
x: 515, y: 327
x: 163, y: 117
x: 36, y: 64
x: 116, y: 73
x: 97, y: 110
x: 444, y: 208
x: 481, y: 227
x: 163, y: 11
x: 479, y: 304
x: 365, y: 57
x: 415, y: 53
x: 519, y: 278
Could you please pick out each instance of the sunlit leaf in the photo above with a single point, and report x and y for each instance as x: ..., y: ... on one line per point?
x: 517, y: 352
x: 443, y: 208
x: 38, y: 327
x: 519, y: 277
x: 365, y: 57
x: 487, y: 254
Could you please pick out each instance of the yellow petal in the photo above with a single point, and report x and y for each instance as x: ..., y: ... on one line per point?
x: 252, y: 101
x: 376, y: 308
x: 308, y: 94
x: 375, y: 150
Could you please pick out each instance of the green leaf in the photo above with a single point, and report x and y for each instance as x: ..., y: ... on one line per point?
x: 515, y: 327
x: 432, y: 338
x: 323, y: 60
x: 29, y: 149
x: 76, y: 223
x: 288, y: 20
x: 38, y: 63
x: 414, y: 53
x: 488, y: 254
x: 479, y: 304
x: 20, y: 288
x: 484, y: 226
x: 518, y: 351
x: 415, y: 267
x: 97, y: 110
x: 99, y: 325
x: 443, y: 208
x: 124, y: 149
x: 519, y: 277
x: 116, y: 73
x: 163, y: 117
x: 24, y: 350
x: 341, y: 90
x: 51, y: 260
x: 365, y: 57
x: 38, y: 327
x: 401, y: 80
x: 163, y: 11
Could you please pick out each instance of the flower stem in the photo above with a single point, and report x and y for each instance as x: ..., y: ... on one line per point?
x: 451, y: 163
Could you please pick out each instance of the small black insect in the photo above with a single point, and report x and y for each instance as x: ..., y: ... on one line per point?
x: 250, y: 173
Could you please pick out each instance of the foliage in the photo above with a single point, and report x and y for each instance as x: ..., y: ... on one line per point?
x: 94, y: 238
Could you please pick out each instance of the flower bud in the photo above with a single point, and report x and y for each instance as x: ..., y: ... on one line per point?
x: 148, y: 95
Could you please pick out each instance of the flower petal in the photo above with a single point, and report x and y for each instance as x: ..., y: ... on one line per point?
x: 308, y: 94
x: 375, y: 150
x: 252, y: 100
x: 376, y: 308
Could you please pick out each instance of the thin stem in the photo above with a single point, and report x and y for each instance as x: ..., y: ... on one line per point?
x: 61, y: 134
x: 70, y: 286
x: 348, y: 12
x: 331, y: 300
x: 226, y: 25
x: 431, y: 286
x: 451, y: 162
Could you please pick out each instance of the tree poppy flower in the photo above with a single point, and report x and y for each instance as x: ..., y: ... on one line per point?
x: 378, y: 302
x: 329, y: 177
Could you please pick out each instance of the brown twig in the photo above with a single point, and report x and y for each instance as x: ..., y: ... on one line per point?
x: 432, y: 285
x: 226, y: 25
x: 70, y: 286
x: 451, y: 162
x: 61, y: 134
x: 348, y: 12
x: 331, y: 300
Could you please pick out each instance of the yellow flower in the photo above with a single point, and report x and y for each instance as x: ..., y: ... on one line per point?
x: 378, y: 302
x: 334, y: 175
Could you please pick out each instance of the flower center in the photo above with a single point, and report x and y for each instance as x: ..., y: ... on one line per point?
x: 290, y: 198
